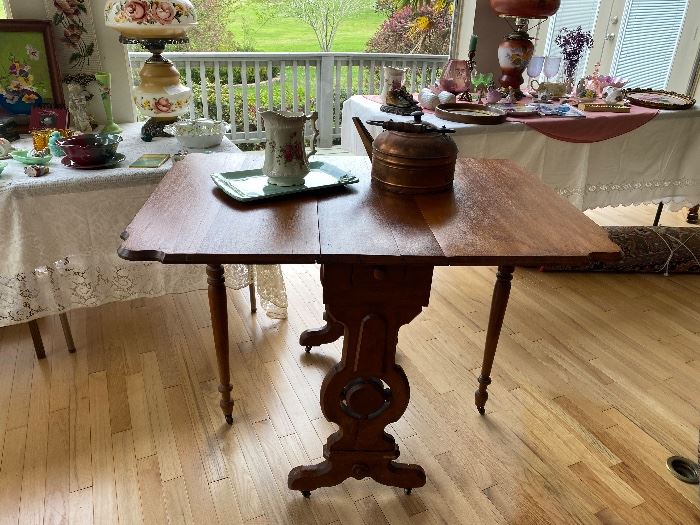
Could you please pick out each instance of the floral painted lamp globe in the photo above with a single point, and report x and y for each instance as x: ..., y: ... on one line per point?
x: 155, y: 24
x: 138, y: 19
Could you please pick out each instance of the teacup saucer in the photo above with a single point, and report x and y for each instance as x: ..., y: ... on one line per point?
x: 110, y: 163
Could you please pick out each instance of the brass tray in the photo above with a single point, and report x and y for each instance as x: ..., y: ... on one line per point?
x: 468, y: 113
x: 659, y: 99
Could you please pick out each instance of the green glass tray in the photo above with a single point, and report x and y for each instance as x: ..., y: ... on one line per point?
x: 252, y: 185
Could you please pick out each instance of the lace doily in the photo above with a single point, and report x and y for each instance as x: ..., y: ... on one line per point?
x: 74, y: 282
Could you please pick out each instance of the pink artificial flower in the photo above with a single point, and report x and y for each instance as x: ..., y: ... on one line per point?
x: 72, y: 35
x: 136, y: 10
x: 67, y: 7
x: 163, y: 105
x: 163, y: 12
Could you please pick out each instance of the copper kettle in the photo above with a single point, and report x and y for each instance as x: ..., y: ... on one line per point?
x: 410, y: 157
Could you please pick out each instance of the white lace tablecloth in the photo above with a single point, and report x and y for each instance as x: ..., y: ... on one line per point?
x: 59, y: 236
x: 658, y: 162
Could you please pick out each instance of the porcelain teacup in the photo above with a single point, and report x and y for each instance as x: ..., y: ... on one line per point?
x: 554, y: 89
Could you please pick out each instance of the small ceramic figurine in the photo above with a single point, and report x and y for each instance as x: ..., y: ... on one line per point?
x: 55, y: 150
x: 493, y: 95
x: 428, y: 99
x: 613, y: 95
x: 446, y: 97
x: 399, y: 97
x: 77, y: 107
x: 36, y: 171
x: 510, y: 98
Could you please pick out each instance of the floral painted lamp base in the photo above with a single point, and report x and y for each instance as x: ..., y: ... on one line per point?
x: 159, y: 95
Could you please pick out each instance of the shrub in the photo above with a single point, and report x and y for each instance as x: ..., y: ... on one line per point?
x: 424, y: 30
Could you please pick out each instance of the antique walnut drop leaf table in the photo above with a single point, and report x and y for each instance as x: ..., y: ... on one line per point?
x: 377, y: 251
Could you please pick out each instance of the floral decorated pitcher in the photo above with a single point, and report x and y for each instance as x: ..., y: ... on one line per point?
x: 286, y: 160
x: 394, y: 78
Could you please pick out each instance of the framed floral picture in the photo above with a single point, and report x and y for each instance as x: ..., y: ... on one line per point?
x: 29, y: 73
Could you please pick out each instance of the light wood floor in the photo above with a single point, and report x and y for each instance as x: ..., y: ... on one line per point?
x: 597, y: 382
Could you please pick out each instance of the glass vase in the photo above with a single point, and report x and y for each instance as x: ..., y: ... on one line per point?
x: 105, y: 82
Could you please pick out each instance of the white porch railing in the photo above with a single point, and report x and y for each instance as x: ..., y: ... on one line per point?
x: 232, y: 86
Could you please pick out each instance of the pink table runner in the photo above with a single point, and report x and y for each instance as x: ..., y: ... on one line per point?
x: 596, y: 127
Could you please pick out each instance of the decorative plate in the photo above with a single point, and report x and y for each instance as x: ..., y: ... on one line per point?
x: 252, y: 185
x: 468, y: 113
x: 516, y: 110
x: 24, y: 157
x: 659, y: 99
x: 106, y: 165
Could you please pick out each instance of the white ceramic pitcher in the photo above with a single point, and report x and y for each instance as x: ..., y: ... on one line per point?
x: 394, y: 77
x: 286, y: 159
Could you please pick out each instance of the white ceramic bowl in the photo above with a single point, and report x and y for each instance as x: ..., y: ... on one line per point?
x: 199, y: 133
x: 201, y: 142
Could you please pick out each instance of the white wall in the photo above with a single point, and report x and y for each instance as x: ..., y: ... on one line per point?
x: 114, y: 57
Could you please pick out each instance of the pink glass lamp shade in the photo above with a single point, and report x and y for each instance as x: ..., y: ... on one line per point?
x: 150, y: 18
x: 455, y: 77
x: 525, y: 8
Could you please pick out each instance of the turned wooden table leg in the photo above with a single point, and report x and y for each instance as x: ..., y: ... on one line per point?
x: 367, y: 390
x: 251, y: 292
x: 36, y: 339
x: 253, y: 301
x: 499, y: 303
x: 219, y: 323
x: 67, y: 334
x: 693, y: 214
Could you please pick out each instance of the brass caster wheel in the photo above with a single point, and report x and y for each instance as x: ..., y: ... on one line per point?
x: 306, y: 493
x: 407, y: 491
x: 229, y: 419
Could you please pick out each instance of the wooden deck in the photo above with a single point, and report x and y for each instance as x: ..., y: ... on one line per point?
x: 596, y: 383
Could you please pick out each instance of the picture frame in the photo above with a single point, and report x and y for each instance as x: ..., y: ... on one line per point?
x: 48, y: 117
x: 29, y: 73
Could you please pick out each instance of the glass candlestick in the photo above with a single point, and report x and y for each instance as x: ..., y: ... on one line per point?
x: 105, y: 82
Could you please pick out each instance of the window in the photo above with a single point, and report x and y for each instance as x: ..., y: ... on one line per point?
x: 647, y: 42
x: 571, y: 14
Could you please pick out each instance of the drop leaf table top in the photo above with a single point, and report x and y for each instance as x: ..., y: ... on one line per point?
x: 377, y: 252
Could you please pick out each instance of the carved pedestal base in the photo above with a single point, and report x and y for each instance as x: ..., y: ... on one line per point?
x: 367, y: 390
x: 328, y: 333
x: 693, y: 214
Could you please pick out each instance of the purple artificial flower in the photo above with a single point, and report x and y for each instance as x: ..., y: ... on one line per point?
x: 573, y: 43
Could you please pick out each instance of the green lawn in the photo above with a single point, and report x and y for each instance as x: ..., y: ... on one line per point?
x: 290, y: 34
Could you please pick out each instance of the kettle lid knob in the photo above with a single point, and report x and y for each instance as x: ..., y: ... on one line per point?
x: 417, y: 115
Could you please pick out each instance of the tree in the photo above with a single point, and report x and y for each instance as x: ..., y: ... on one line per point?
x: 211, y: 32
x: 323, y: 16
